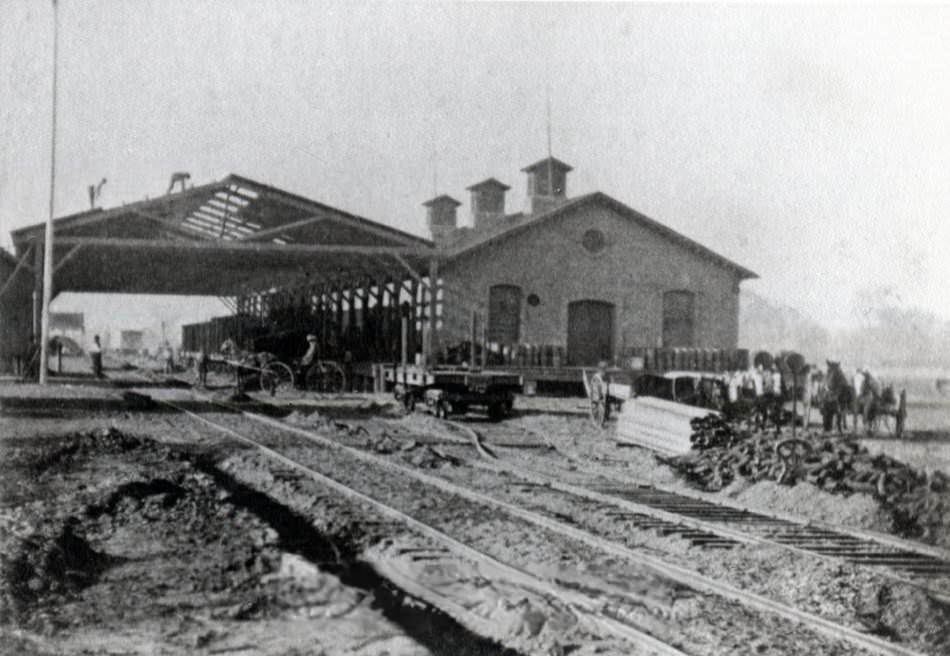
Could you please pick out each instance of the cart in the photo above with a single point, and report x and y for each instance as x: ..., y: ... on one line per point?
x: 445, y: 391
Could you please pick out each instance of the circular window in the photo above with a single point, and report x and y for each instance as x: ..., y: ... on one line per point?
x: 594, y: 241
x: 533, y: 300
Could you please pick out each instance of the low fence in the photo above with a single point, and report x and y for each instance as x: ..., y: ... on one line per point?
x: 635, y: 358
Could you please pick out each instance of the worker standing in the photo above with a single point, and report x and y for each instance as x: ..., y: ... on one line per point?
x: 95, y: 355
x: 203, y: 368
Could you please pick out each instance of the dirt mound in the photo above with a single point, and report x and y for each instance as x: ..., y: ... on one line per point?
x: 56, y: 560
x: 61, y: 452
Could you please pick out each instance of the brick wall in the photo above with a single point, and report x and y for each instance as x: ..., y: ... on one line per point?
x: 634, y: 269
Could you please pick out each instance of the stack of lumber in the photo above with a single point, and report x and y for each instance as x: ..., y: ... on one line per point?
x: 918, y: 502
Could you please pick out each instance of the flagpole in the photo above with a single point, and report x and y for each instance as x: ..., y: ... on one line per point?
x: 48, y: 241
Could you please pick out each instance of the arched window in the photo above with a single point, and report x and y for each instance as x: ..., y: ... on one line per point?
x: 504, y: 314
x: 678, y: 318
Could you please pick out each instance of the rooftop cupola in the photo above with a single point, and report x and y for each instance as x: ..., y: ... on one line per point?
x: 488, y: 201
x: 547, y: 184
x: 441, y: 216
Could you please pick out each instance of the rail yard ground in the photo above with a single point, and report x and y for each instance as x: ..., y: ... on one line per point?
x: 140, y: 516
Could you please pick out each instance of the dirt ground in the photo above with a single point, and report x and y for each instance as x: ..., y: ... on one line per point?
x: 118, y: 537
x: 117, y: 544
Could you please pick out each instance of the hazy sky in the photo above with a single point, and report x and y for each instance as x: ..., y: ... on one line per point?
x: 810, y: 144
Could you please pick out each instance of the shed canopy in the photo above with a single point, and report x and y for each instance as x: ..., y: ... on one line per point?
x: 227, y: 238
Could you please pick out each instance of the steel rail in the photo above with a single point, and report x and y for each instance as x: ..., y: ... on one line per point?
x: 816, y: 551
x: 863, y: 534
x: 671, y: 571
x: 585, y: 607
x: 676, y: 573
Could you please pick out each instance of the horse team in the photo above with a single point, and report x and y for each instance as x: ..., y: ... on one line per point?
x: 862, y: 396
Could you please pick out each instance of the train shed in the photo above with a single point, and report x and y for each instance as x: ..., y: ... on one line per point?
x: 283, y: 263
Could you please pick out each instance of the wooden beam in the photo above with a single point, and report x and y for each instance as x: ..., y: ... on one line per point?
x: 255, y: 247
x: 310, y: 206
x: 280, y: 229
x: 170, y: 225
x: 95, y: 216
x: 412, y: 272
x: 20, y: 264
x: 68, y: 256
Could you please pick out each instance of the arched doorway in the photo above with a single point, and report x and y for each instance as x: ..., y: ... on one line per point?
x: 590, y: 332
x: 504, y: 314
x: 678, y: 309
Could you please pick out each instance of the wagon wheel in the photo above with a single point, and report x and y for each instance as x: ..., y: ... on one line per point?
x: 326, y: 377
x: 599, y: 403
x: 334, y: 377
x: 791, y: 453
x: 901, y: 416
x: 276, y: 376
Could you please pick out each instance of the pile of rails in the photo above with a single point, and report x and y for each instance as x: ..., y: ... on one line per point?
x: 918, y: 503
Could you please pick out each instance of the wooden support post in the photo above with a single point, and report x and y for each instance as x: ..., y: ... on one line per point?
x: 404, y: 341
x: 413, y: 319
x: 484, y: 331
x: 37, y: 289
x: 474, y: 338
x: 430, y: 341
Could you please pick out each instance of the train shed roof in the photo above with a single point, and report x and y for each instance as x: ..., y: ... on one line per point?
x: 225, y: 238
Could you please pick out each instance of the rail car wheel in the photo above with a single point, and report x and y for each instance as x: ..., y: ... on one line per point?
x: 275, y: 377
x: 599, y: 403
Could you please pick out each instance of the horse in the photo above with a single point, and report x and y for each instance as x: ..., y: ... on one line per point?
x: 875, y: 403
x: 838, y: 398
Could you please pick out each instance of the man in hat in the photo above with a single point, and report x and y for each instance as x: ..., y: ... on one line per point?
x: 311, y: 355
x: 308, y: 360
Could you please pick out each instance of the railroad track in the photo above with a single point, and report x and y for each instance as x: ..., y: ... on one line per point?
x: 675, y: 574
x: 722, y: 525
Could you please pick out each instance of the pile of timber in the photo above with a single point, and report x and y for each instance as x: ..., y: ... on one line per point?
x: 918, y: 502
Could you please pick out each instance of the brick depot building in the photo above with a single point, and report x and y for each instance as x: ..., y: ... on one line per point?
x: 588, y: 276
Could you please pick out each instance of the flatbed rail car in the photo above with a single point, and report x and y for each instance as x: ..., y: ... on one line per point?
x: 453, y: 390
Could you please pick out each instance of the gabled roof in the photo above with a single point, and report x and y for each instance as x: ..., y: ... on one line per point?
x: 444, y: 199
x: 470, y: 240
x: 490, y: 183
x: 541, y: 163
x: 232, y: 209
